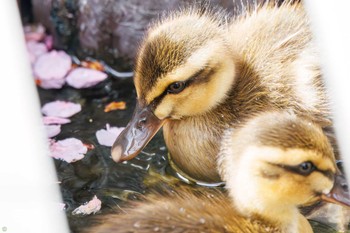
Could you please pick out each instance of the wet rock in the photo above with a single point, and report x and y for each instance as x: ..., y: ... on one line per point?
x: 106, y: 29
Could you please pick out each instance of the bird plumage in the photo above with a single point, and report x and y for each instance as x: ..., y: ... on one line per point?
x: 266, y: 181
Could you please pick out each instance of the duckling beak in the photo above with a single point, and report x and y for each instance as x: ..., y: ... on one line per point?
x: 339, y: 193
x: 139, y: 131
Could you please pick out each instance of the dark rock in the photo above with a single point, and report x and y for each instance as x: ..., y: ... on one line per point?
x: 109, y: 30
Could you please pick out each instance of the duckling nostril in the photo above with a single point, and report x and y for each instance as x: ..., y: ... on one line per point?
x: 345, y: 187
x: 141, y: 122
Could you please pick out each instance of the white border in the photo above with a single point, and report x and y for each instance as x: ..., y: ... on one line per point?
x: 29, y: 194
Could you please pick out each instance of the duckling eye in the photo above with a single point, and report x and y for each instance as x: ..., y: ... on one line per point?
x: 306, y: 168
x: 176, y: 87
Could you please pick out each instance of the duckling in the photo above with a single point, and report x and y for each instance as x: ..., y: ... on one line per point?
x: 274, y: 164
x: 199, y: 72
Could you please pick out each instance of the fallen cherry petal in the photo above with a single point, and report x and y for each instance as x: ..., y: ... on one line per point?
x: 51, y: 68
x: 106, y: 137
x: 35, y: 49
x: 52, y: 120
x: 69, y: 150
x: 61, y: 109
x: 120, y: 105
x: 52, y: 130
x: 51, y: 83
x: 92, y: 206
x: 34, y: 32
x: 84, y: 77
x: 48, y: 41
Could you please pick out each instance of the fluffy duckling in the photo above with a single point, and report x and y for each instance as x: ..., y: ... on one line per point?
x: 199, y: 72
x: 274, y: 164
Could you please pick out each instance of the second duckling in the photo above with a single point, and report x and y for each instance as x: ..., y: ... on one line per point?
x: 274, y: 164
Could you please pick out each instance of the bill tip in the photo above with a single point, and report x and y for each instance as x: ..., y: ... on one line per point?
x: 116, y: 153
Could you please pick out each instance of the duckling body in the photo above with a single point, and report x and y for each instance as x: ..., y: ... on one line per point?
x: 227, y: 71
x: 184, y: 211
x: 293, y: 165
x: 278, y: 70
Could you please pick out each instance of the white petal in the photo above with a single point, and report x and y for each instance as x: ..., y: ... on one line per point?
x: 106, y: 137
x: 52, y: 66
x: 69, y: 150
x: 59, y: 108
x: 52, y: 130
x: 84, y: 77
x: 92, y: 206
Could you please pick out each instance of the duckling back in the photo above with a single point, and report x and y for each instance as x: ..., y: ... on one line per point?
x: 279, y: 56
x: 184, y: 210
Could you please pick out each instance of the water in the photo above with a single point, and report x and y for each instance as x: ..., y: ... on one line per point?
x: 97, y: 174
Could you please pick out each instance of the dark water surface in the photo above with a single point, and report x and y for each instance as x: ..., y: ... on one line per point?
x: 97, y: 174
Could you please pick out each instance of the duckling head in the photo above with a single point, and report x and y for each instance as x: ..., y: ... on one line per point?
x: 184, y: 68
x: 276, y: 163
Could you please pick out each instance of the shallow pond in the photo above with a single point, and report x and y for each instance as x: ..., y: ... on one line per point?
x: 97, y: 174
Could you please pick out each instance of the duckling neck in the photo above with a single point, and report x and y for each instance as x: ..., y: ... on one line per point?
x: 287, y: 219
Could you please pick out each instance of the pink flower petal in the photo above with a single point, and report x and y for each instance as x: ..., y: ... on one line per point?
x: 48, y: 41
x: 92, y: 206
x: 52, y: 120
x: 61, y: 206
x: 106, y: 137
x: 52, y: 67
x: 61, y: 109
x: 35, y: 49
x: 51, y: 83
x: 69, y: 150
x: 85, y: 77
x: 52, y: 130
x: 34, y: 32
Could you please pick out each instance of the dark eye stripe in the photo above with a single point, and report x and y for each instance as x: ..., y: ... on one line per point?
x: 156, y: 101
x: 328, y: 173
x: 201, y: 76
x: 295, y: 169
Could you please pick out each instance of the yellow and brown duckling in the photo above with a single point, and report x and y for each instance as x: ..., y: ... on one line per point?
x: 199, y: 72
x: 274, y: 164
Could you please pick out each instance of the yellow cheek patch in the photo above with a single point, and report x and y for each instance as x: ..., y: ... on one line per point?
x: 198, y: 60
x: 164, y: 109
x: 189, y: 102
x: 292, y: 157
